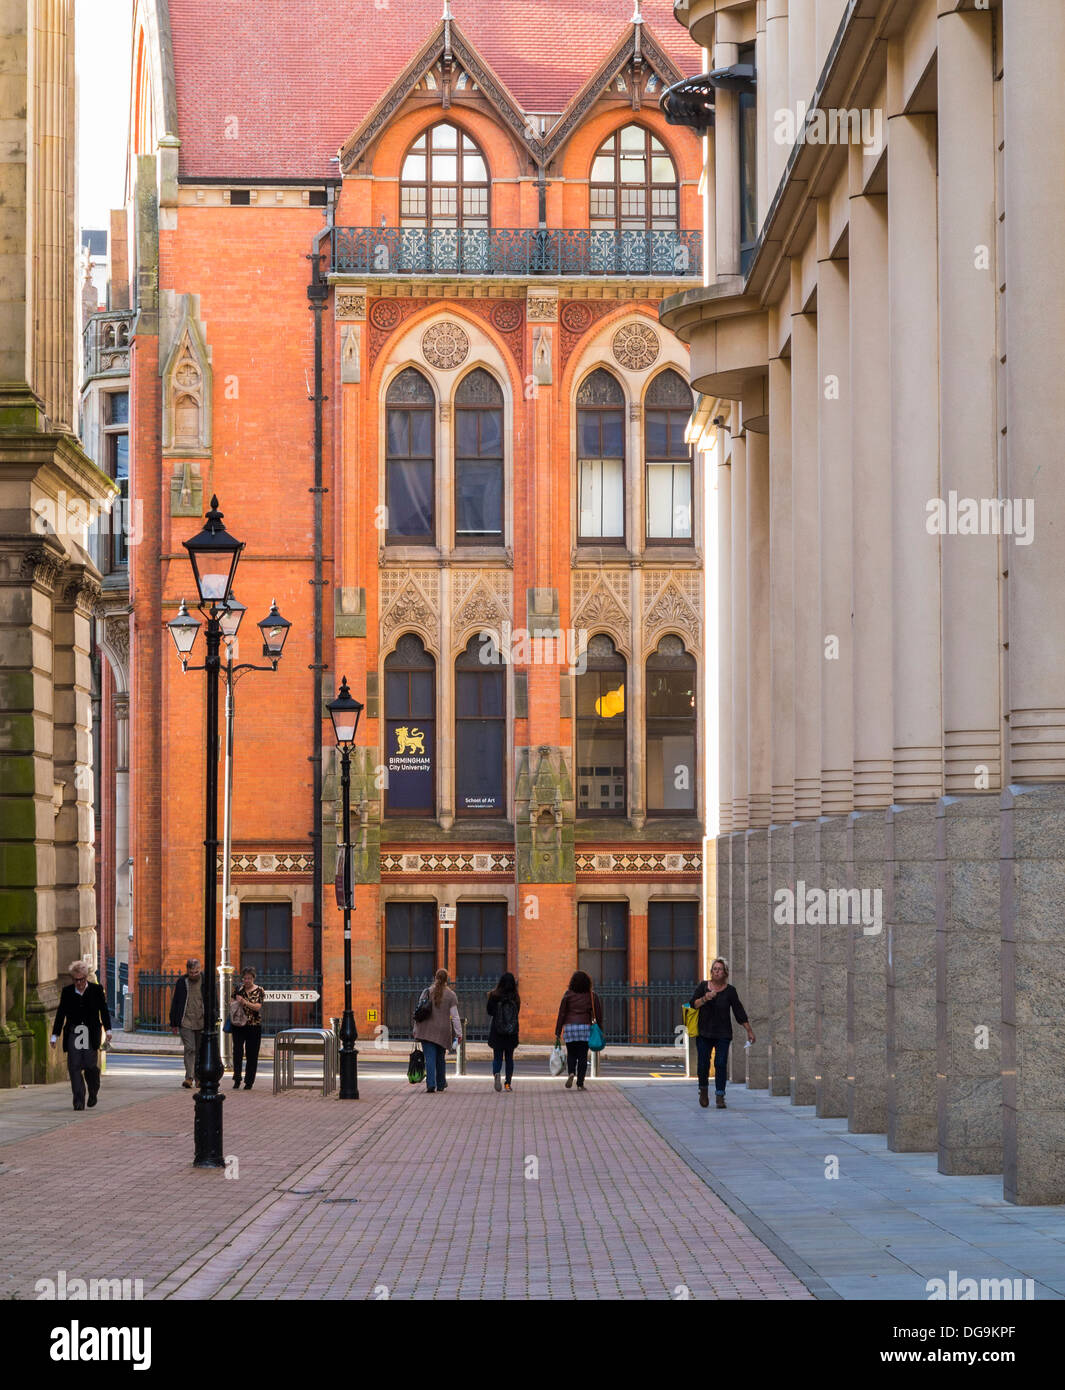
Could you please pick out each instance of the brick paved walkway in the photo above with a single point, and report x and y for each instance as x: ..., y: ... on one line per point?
x: 544, y: 1193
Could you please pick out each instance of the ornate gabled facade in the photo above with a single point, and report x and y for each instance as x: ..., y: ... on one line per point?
x: 507, y: 532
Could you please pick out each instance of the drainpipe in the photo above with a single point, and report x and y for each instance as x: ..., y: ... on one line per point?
x: 318, y: 295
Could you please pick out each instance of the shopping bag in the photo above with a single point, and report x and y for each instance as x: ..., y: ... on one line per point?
x: 556, y: 1063
x: 691, y: 1021
x: 416, y: 1067
x: 596, y: 1041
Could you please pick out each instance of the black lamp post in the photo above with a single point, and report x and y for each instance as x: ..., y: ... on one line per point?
x: 344, y: 712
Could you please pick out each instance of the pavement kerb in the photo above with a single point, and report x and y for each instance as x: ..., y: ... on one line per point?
x: 820, y: 1289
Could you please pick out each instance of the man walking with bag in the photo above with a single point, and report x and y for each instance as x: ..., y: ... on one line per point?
x: 80, y: 1020
x: 186, y: 1016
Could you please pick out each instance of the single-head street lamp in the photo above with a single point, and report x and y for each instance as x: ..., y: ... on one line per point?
x: 344, y: 712
x: 230, y: 619
x: 183, y: 630
x: 214, y: 554
x: 274, y: 629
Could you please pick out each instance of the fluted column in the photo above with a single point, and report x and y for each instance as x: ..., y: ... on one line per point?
x: 1033, y: 831
x: 914, y: 348
x: 802, y: 36
x: 726, y: 140
x: 776, y: 89
x: 806, y: 530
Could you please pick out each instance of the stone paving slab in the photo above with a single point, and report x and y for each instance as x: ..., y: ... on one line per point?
x: 542, y: 1193
x: 888, y: 1222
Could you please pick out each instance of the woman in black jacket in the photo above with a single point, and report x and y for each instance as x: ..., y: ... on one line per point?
x: 504, y: 1004
x: 715, y: 999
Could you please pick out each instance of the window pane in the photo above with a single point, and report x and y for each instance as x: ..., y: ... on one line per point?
x: 602, y: 202
x: 121, y: 457
x: 120, y: 408
x: 682, y: 501
x: 613, y: 499
x: 466, y: 444
x: 491, y: 433
x: 445, y: 168
x: 633, y: 137
x: 421, y: 694
x: 613, y: 434
x: 671, y: 694
x: 445, y: 137
x: 677, y: 425
x: 657, y: 434
x: 412, y: 204
x: 633, y: 170
x: 670, y: 772
x: 478, y: 498
x: 414, y: 168
x: 421, y: 433
x: 396, y: 694
x: 662, y: 170
x: 466, y: 684
x: 491, y: 692
x: 603, y: 169
x: 588, y: 434
x: 473, y: 169
x: 660, y: 499
x: 410, y: 498
x: 398, y: 434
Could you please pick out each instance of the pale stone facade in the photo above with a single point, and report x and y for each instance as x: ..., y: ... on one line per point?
x: 892, y: 674
x: 49, y: 586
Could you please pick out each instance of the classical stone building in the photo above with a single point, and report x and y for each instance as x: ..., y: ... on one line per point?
x: 881, y: 340
x: 49, y: 586
x: 473, y: 447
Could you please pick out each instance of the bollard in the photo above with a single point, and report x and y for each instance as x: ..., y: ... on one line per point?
x: 593, y: 1065
x: 460, y: 1055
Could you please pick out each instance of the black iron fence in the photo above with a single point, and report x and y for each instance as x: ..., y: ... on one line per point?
x: 483, y: 251
x: 155, y: 990
x: 117, y: 978
x: 646, y: 1015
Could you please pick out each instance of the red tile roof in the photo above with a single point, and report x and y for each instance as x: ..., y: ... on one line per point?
x: 272, y: 89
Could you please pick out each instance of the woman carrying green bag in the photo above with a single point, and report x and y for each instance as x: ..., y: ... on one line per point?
x: 579, y: 1015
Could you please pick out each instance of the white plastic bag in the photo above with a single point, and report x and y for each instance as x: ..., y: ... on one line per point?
x: 556, y: 1063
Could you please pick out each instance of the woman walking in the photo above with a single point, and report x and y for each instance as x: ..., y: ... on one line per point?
x: 436, y: 1031
x: 715, y: 998
x: 247, y: 1020
x: 580, y: 1007
x: 504, y: 1004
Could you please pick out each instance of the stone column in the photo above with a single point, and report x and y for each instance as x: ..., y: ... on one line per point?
x: 806, y: 531
x: 968, y: 396
x: 726, y: 142
x: 724, y: 642
x: 1033, y: 832
x: 914, y: 361
x: 739, y: 625
x: 121, y: 709
x: 756, y: 963
x: 910, y: 916
x: 802, y: 35
x: 761, y: 171
x: 830, y: 994
x: 782, y: 695
x: 866, y: 976
x: 829, y: 15
x: 776, y: 89
x: 968, y: 986
x: 803, y: 953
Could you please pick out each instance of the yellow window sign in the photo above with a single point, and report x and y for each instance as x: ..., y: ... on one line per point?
x: 371, y: 1015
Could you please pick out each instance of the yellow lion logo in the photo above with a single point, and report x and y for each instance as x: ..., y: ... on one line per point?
x: 410, y: 740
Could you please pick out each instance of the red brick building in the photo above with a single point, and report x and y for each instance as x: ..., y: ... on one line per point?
x: 397, y: 280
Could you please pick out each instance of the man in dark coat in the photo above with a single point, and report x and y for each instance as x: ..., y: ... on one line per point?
x: 186, y: 1016
x: 80, y: 1019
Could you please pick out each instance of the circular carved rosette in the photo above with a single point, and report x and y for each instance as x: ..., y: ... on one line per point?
x: 576, y: 317
x: 445, y: 346
x: 507, y: 316
x: 385, y: 314
x: 635, y: 346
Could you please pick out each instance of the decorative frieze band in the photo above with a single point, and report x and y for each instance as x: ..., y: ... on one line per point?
x: 487, y: 862
x: 288, y: 861
x: 626, y: 862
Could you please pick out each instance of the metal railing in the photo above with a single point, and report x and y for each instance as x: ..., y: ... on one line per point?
x: 401, y: 997
x: 105, y: 342
x: 156, y: 989
x: 474, y: 251
x: 117, y: 977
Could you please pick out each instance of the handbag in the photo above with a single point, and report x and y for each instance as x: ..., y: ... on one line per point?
x: 691, y: 1021
x: 416, y: 1067
x: 596, y: 1041
x: 227, y: 1027
x: 556, y: 1062
x: 238, y: 1017
x: 424, y: 1009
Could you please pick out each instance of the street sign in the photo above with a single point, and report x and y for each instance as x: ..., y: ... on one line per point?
x: 371, y: 1015
x: 290, y: 996
x: 447, y: 916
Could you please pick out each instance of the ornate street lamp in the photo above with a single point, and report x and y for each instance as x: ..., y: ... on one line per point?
x: 274, y: 629
x: 344, y: 712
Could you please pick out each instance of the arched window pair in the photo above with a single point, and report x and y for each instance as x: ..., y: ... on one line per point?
x: 444, y: 182
x: 410, y: 463
x: 602, y: 733
x: 410, y: 731
x: 601, y: 458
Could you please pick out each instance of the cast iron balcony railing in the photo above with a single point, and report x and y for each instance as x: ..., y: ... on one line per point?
x: 453, y: 251
x: 106, y: 342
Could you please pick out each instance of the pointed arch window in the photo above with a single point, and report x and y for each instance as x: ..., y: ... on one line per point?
x: 601, y: 734
x: 410, y: 462
x: 601, y: 459
x: 671, y: 720
x: 410, y: 729
x: 668, y: 459
x: 479, y: 460
x: 444, y: 181
x: 480, y: 731
x: 634, y: 183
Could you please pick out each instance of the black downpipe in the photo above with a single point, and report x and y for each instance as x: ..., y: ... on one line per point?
x: 318, y: 294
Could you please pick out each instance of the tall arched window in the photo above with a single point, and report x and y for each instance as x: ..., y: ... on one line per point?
x: 410, y: 464
x: 601, y: 741
x: 480, y: 731
x: 601, y: 458
x: 479, y: 460
x: 444, y: 182
x: 410, y: 729
x: 671, y: 716
x: 668, y: 459
x: 633, y: 183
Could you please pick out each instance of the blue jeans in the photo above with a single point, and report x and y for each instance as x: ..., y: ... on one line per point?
x: 435, y: 1066
x: 501, y: 1055
x: 720, y: 1048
